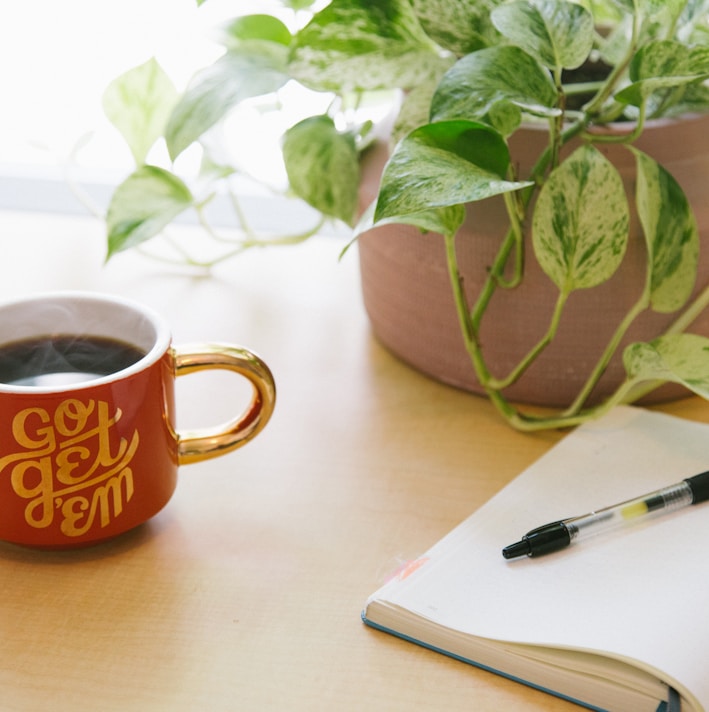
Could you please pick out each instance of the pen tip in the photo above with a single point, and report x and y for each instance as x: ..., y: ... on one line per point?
x: 520, y: 548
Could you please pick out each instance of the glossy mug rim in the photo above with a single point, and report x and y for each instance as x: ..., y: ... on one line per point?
x: 154, y: 344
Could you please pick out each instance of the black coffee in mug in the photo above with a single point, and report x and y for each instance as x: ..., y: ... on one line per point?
x: 51, y: 361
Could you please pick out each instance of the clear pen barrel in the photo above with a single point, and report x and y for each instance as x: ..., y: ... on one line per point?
x: 662, y: 500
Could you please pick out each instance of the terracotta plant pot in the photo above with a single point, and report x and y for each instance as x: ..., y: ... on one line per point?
x: 408, y: 297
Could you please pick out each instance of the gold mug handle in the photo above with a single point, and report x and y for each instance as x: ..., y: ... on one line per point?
x: 205, y: 443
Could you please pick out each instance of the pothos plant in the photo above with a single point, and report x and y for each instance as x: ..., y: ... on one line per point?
x: 471, y: 74
x: 653, y: 62
x: 264, y: 56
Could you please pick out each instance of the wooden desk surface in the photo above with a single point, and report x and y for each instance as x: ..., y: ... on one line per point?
x: 245, y: 593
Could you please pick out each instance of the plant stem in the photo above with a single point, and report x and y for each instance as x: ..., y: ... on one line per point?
x: 237, y: 245
x: 517, y: 235
x: 184, y: 259
x: 469, y: 332
x: 629, y: 137
x: 634, y: 391
x: 595, y: 106
x: 284, y: 240
x: 514, y: 207
x: 544, y: 160
x: 253, y: 240
x: 700, y: 303
x: 556, y: 124
x: 516, y: 419
x: 628, y: 392
x: 493, y: 279
x: 467, y: 325
x: 582, y: 88
x: 240, y: 214
x: 527, y: 361
x: 610, y: 349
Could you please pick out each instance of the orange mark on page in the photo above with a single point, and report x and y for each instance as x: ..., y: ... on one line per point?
x: 408, y: 567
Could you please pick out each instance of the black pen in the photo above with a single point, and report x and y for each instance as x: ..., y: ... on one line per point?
x: 558, y: 535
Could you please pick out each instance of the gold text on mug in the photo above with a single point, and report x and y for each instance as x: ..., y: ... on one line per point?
x: 70, y: 461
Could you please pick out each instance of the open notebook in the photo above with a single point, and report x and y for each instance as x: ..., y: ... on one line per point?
x: 617, y: 622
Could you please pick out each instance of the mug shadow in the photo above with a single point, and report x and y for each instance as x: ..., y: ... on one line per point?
x: 116, y: 546
x: 104, y: 615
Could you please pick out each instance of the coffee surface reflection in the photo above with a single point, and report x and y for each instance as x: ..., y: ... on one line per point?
x: 51, y: 361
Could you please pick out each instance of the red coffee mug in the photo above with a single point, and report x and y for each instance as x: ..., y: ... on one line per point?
x: 86, y: 460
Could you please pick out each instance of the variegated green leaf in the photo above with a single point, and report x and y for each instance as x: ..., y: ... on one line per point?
x: 298, y: 4
x: 671, y: 234
x: 679, y: 358
x: 460, y: 26
x: 231, y: 79
x: 613, y: 47
x: 414, y: 111
x: 443, y: 221
x: 138, y: 104
x: 557, y: 33
x: 416, y: 106
x: 443, y: 164
x: 669, y: 58
x: 145, y: 203
x: 504, y: 117
x: 323, y: 166
x: 355, y: 45
x: 656, y: 17
x: 580, y: 223
x: 664, y: 65
x: 254, y: 30
x: 692, y: 25
x: 668, y: 10
x: 481, y: 81
x: 694, y: 99
x: 627, y: 5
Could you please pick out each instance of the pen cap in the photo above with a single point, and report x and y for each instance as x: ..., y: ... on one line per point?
x: 699, y: 484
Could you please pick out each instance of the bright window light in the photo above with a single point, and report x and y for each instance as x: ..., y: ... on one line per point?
x: 58, y: 151
x: 58, y: 58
